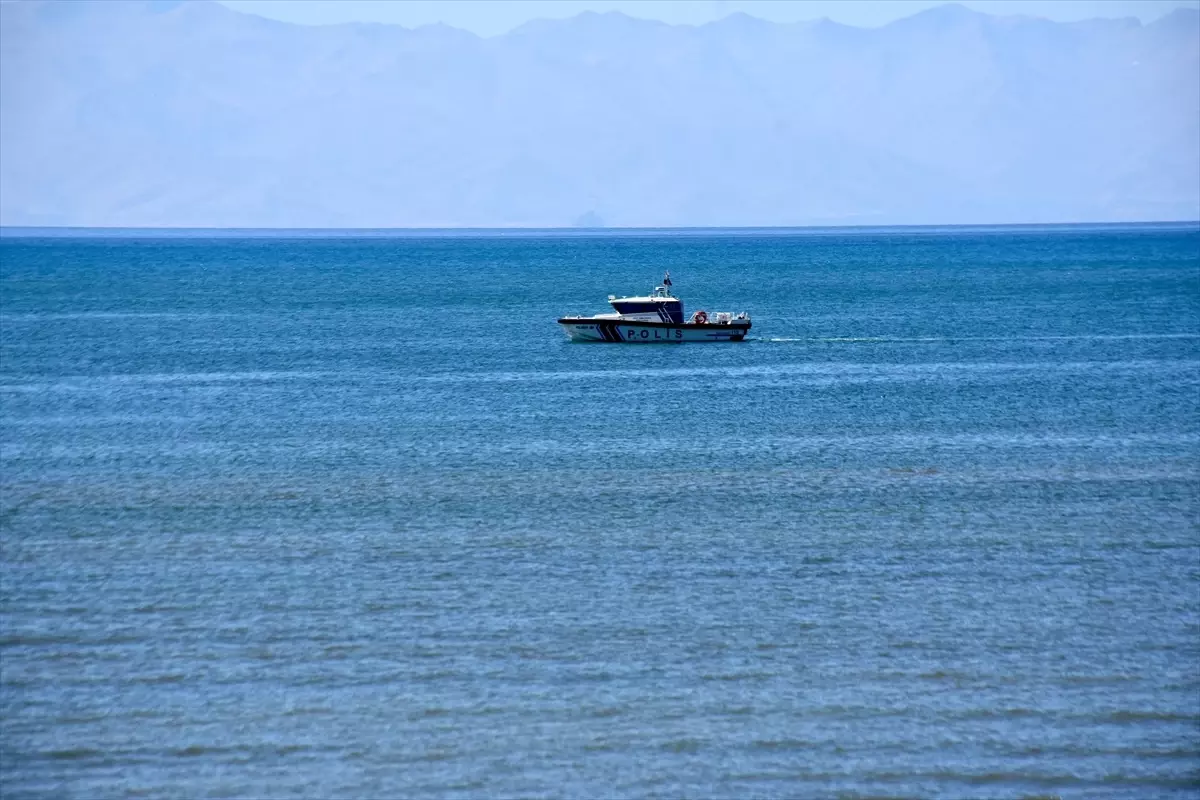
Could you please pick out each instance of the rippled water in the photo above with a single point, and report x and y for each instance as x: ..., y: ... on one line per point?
x: 349, y: 517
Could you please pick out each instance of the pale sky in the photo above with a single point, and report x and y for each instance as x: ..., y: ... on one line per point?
x: 492, y: 17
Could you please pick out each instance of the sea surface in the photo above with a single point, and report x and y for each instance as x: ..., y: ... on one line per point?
x: 347, y: 516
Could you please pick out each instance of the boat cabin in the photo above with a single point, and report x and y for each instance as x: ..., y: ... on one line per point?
x: 659, y: 306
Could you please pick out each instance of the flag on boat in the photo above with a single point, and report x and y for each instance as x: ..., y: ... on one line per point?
x: 667, y: 279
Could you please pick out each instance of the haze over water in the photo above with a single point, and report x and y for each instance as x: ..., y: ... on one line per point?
x: 349, y: 517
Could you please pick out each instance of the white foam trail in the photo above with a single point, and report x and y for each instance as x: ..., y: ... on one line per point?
x: 1100, y: 337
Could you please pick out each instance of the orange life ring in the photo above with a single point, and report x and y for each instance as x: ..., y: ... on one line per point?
x: 700, y: 317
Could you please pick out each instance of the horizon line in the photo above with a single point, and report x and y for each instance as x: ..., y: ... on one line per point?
x: 65, y: 231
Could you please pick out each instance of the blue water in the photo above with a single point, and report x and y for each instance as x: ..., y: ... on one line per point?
x: 349, y: 517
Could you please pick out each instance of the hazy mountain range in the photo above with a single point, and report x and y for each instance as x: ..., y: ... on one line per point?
x: 191, y: 114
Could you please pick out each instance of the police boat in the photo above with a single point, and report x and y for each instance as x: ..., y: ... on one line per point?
x: 656, y: 318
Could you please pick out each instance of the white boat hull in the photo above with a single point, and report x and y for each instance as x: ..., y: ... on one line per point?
x: 599, y: 329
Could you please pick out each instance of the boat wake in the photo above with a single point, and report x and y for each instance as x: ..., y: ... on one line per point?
x: 949, y: 339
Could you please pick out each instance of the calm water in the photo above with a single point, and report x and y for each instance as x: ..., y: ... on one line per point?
x: 339, y: 517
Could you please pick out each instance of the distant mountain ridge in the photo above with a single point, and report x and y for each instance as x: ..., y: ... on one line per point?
x: 163, y: 113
